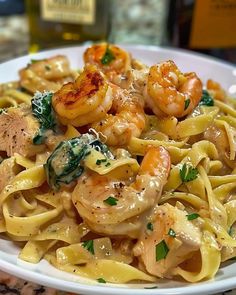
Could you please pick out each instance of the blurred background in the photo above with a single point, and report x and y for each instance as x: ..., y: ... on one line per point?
x: 206, y: 26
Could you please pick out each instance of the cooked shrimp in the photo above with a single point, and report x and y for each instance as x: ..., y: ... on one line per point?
x: 93, y: 191
x: 219, y: 137
x: 30, y: 81
x: 128, y: 118
x: 181, y: 246
x: 45, y: 74
x: 52, y: 68
x: 216, y: 90
x: 86, y: 100
x: 170, y: 92
x: 111, y: 59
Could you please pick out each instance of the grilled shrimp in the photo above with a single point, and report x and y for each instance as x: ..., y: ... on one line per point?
x: 103, y: 202
x: 46, y: 74
x: 84, y: 101
x: 170, y: 92
x: 169, y: 239
x: 216, y: 90
x: 127, y: 118
x: 111, y: 59
x: 218, y: 136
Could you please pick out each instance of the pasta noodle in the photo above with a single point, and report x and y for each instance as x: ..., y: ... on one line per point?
x: 120, y: 173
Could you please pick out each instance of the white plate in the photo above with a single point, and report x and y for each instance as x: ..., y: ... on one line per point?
x: 45, y: 274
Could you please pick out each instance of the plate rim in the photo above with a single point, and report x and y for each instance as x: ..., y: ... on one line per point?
x: 209, y: 286
x: 154, y: 48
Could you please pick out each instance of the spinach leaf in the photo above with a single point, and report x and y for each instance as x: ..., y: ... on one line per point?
x: 63, y: 166
x: 42, y: 109
x: 34, y: 61
x: 206, y: 99
x: 65, y: 163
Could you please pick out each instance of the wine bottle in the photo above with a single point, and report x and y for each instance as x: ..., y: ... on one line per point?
x: 54, y: 23
x: 205, y: 26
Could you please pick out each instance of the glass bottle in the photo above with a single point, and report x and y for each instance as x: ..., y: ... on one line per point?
x: 139, y: 21
x: 55, y: 23
x: 206, y: 26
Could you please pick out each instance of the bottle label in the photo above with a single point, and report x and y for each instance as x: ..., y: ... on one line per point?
x: 213, y: 24
x: 69, y: 11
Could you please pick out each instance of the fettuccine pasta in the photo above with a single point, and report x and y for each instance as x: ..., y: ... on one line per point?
x: 121, y: 172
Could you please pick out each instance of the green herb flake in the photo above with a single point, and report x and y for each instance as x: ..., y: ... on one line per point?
x: 34, y: 61
x: 101, y: 280
x: 150, y: 226
x: 47, y: 67
x: 153, y: 287
x: 172, y: 233
x: 192, y: 216
x: 107, y: 164
x: 207, y: 99
x: 161, y: 250
x: 100, y: 161
x: 111, y: 201
x: 88, y: 245
x: 186, y: 103
x: 188, y: 173
x: 108, y: 56
x: 231, y: 231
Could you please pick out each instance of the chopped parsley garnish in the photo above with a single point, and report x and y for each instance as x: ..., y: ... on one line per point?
x: 161, y: 250
x: 231, y: 231
x: 186, y: 103
x: 154, y: 287
x: 88, y: 245
x: 188, y: 173
x: 108, y: 56
x: 111, y: 201
x: 47, y: 67
x: 101, y: 280
x: 207, y: 99
x: 172, y: 233
x: 34, y: 61
x: 100, y: 161
x: 192, y: 216
x: 150, y: 226
x: 107, y: 164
